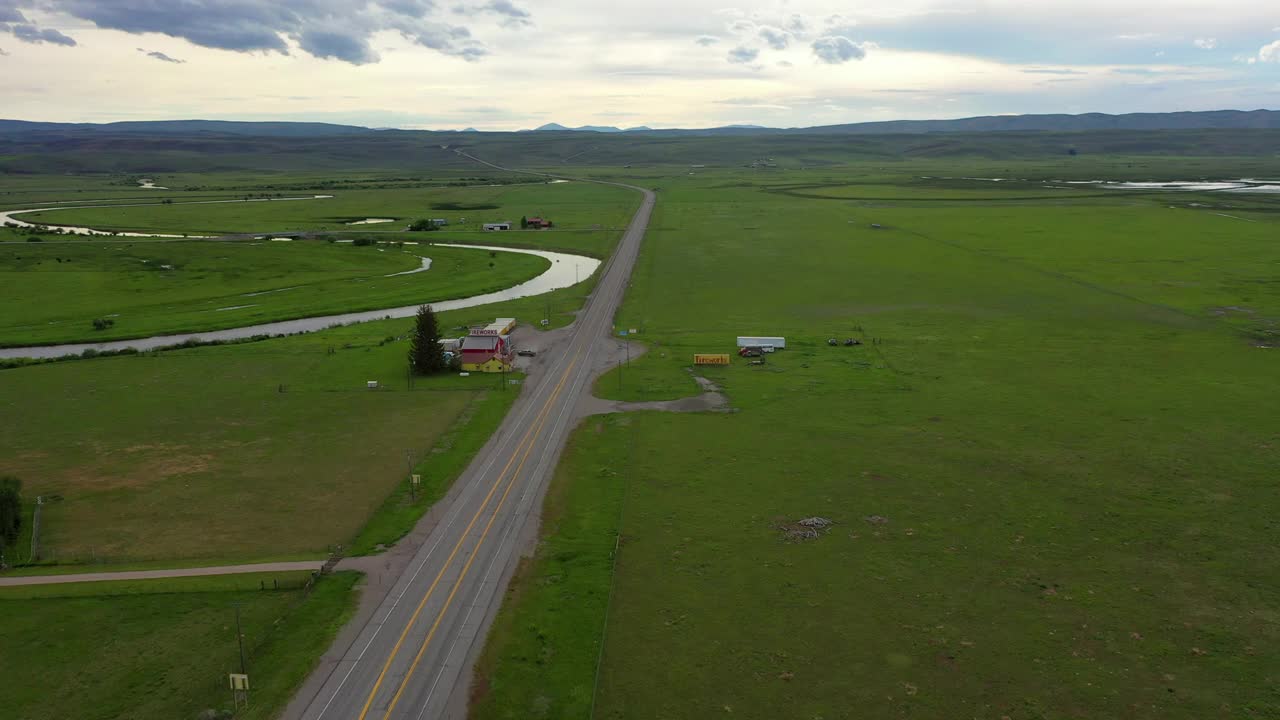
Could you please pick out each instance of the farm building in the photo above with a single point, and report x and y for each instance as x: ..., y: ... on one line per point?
x: 537, y: 223
x: 488, y: 348
x: 438, y: 222
x: 751, y: 341
x: 497, y: 226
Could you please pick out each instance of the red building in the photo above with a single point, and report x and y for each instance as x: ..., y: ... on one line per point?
x: 488, y: 349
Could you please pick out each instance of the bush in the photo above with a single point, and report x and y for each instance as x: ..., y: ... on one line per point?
x: 102, y: 323
x: 10, y: 510
x: 364, y: 242
x: 423, y: 226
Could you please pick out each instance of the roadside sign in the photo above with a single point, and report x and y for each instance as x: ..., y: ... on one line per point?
x: 239, y: 681
x: 634, y: 331
x: 417, y: 479
x: 710, y: 359
x: 623, y: 333
x: 514, y: 382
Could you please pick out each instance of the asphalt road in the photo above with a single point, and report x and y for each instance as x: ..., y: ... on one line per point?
x: 413, y: 656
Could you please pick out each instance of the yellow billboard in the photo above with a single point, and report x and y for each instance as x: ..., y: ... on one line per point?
x: 710, y: 359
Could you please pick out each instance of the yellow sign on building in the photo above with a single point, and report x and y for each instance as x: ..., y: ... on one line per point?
x: 710, y: 359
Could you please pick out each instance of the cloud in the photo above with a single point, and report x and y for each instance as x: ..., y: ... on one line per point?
x: 837, y: 49
x: 785, y: 64
x: 796, y: 24
x: 161, y: 57
x: 10, y: 14
x: 1137, y: 36
x: 1270, y: 53
x: 335, y: 29
x: 1205, y: 43
x: 1053, y: 71
x: 33, y: 34
x: 743, y: 55
x: 3, y: 53
x: 706, y: 40
x: 776, y: 38
x: 512, y: 16
x: 338, y: 45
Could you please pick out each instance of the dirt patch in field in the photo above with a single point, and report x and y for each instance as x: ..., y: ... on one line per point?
x: 146, y: 464
x: 710, y: 400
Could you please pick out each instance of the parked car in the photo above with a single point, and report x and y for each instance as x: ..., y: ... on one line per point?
x: 526, y: 352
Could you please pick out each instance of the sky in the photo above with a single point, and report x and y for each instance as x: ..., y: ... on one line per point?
x: 512, y: 64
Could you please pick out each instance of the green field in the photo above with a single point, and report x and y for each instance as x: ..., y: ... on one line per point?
x: 149, y: 288
x: 571, y: 205
x: 1049, y: 466
x: 163, y: 649
x: 257, y: 451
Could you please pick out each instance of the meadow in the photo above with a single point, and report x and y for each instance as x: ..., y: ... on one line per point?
x: 263, y: 450
x: 152, y: 288
x: 572, y: 206
x: 163, y: 649
x: 1049, y: 465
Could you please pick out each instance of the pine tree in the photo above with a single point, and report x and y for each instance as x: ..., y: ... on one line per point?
x: 524, y: 222
x: 425, y: 355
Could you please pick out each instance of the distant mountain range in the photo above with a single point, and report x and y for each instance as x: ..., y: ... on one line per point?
x: 1211, y: 120
x: 557, y: 127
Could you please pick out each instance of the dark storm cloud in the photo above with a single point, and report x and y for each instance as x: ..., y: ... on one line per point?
x: 9, y: 13
x: 337, y: 29
x: 33, y: 34
x: 337, y: 45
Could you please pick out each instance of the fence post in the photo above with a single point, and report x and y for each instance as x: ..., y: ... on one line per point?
x: 35, y: 530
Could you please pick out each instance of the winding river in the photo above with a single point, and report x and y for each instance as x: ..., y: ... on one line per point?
x: 565, y: 270
x: 8, y: 216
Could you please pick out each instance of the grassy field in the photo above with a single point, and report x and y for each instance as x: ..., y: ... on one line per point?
x: 1049, y: 466
x: 572, y: 206
x: 265, y: 450
x: 149, y: 288
x: 162, y: 649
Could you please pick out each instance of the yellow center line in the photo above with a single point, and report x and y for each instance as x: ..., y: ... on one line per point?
x: 404, y: 683
x: 528, y: 437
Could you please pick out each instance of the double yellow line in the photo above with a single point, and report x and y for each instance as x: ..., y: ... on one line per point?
x: 526, y: 445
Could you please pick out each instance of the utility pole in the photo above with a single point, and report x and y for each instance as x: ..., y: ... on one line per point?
x: 240, y: 640
x: 413, y: 487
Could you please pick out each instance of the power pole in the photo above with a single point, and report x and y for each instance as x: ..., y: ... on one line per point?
x: 413, y: 487
x: 240, y: 640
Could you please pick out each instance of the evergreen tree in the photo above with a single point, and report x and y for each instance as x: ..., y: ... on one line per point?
x: 524, y: 222
x: 425, y: 355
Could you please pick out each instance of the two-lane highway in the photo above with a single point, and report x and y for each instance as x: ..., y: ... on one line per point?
x: 411, y: 658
